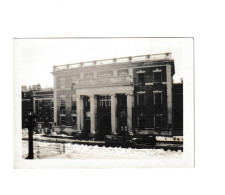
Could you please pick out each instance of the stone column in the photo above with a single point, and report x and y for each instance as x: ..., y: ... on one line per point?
x: 81, y: 113
x: 169, y: 94
x: 93, y: 110
x: 78, y: 114
x: 129, y: 113
x: 113, y: 114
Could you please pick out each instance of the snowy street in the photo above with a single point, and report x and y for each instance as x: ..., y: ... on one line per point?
x: 44, y: 150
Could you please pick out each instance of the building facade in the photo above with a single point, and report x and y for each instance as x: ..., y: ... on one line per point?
x: 40, y: 100
x: 27, y: 103
x: 43, y: 107
x: 113, y: 96
x: 178, y: 108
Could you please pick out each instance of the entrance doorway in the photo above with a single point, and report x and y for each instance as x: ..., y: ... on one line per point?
x: 104, y: 127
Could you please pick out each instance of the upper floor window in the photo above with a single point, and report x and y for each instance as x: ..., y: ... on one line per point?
x: 62, y: 83
x: 141, y: 99
x: 157, y: 76
x: 157, y: 97
x: 40, y: 103
x: 62, y: 103
x: 105, y: 101
x: 141, y: 78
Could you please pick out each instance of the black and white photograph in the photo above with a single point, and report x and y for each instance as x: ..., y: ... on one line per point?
x: 112, y: 97
x: 104, y: 102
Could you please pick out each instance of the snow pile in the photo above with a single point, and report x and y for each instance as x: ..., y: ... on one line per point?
x: 75, y: 151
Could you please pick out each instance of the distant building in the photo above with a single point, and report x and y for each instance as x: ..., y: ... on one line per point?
x: 41, y: 102
x: 130, y: 94
x: 43, y: 108
x: 27, y: 104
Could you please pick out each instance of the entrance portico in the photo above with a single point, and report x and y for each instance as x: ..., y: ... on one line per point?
x: 93, y: 93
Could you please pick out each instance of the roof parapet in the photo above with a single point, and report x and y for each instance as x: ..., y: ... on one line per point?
x: 149, y: 57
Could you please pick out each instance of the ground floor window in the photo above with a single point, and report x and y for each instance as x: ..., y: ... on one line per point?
x: 158, y: 121
x: 63, y: 120
x: 105, y: 101
x: 62, y: 104
x: 74, y: 120
x: 141, y: 122
x: 141, y: 99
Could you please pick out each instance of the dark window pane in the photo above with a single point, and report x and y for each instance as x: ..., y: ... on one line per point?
x: 141, y: 78
x: 157, y: 76
x: 142, y: 122
x: 141, y: 99
x: 63, y: 120
x: 158, y: 98
x: 158, y: 121
x: 74, y: 105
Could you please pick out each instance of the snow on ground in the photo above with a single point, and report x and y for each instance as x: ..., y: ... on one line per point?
x: 44, y: 150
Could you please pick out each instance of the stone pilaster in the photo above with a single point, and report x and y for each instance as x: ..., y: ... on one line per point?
x: 113, y: 113
x: 129, y: 113
x: 169, y: 94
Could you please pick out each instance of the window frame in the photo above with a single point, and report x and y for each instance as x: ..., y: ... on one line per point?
x: 161, y: 120
x: 138, y: 98
x: 158, y: 92
x: 105, y: 101
x: 155, y: 72
x: 138, y: 77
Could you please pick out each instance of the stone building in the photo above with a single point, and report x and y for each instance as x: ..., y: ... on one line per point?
x: 113, y: 96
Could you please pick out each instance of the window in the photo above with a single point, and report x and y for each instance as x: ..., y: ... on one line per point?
x: 62, y: 83
x: 141, y: 78
x: 105, y: 101
x: 62, y: 104
x: 141, y: 122
x: 40, y: 103
x: 158, y: 98
x: 158, y: 121
x: 74, y: 120
x: 141, y: 99
x: 63, y: 120
x: 87, y: 102
x: 74, y: 105
x: 157, y: 76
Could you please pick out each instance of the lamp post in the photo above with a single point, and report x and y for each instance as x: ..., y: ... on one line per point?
x: 30, y: 121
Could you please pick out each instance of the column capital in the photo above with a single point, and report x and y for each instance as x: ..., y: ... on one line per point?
x: 92, y: 95
x: 113, y: 94
x: 131, y: 94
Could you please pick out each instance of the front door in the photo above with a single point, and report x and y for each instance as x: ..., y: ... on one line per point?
x: 104, y: 127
